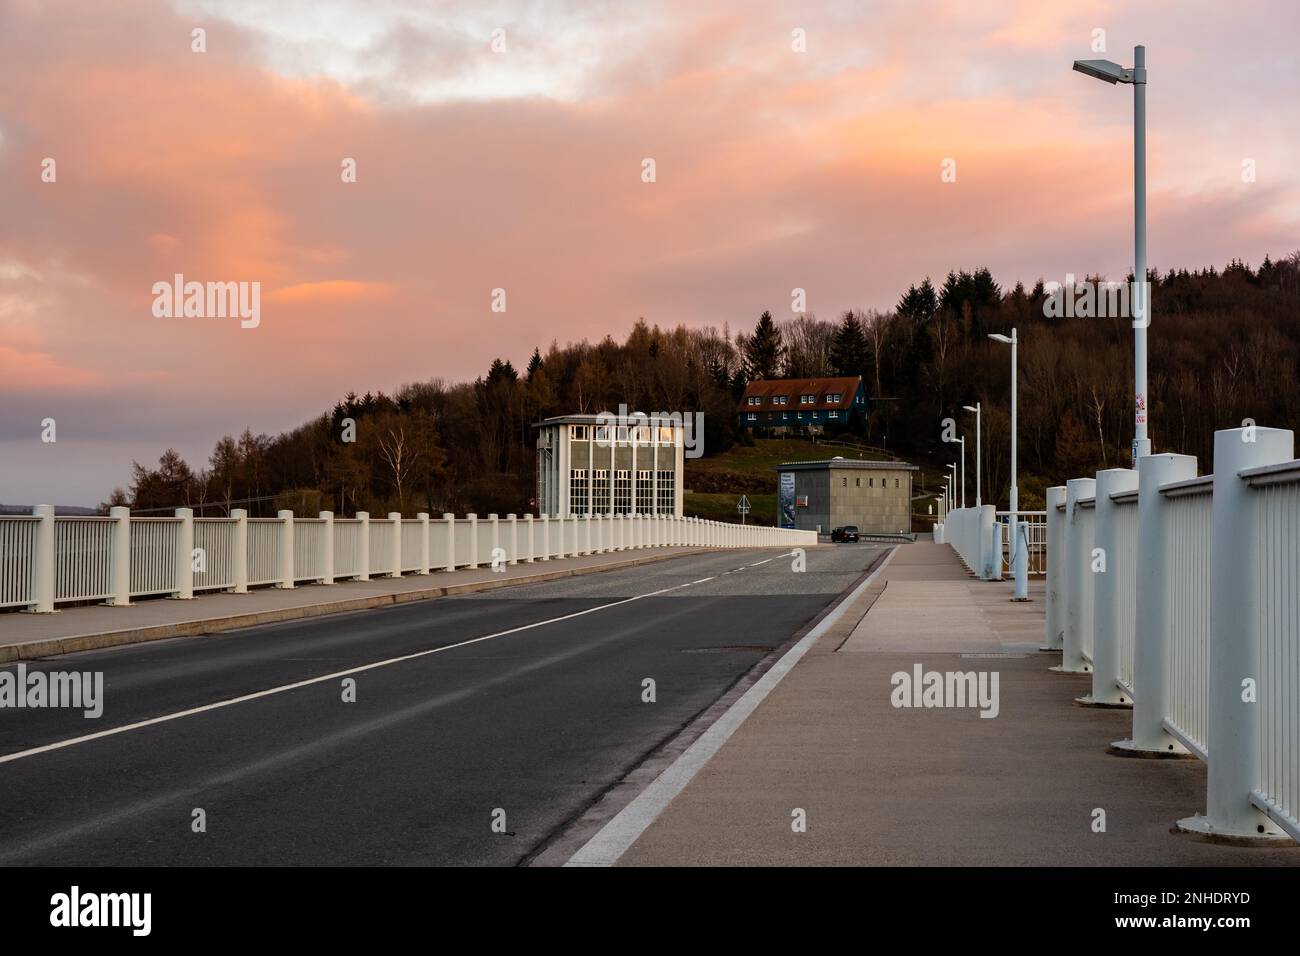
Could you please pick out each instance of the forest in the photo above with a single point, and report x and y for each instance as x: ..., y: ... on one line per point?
x: 1224, y: 346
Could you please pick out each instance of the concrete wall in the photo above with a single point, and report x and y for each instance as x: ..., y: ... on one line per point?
x: 878, y: 501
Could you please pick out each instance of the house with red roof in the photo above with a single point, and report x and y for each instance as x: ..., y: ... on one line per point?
x: 801, y: 404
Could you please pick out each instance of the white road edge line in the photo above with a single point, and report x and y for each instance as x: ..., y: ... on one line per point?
x: 617, y: 836
x: 217, y: 705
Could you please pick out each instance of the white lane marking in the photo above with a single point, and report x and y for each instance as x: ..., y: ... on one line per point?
x: 617, y: 836
x: 112, y: 731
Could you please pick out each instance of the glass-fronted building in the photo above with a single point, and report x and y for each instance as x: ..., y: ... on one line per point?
x: 601, y: 465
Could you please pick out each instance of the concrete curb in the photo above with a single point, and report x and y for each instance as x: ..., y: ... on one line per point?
x: 52, y: 647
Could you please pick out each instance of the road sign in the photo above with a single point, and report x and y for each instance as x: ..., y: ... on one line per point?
x: 743, y: 507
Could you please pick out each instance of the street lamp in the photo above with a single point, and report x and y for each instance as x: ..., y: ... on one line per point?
x: 963, y: 470
x: 952, y: 486
x: 1113, y: 73
x: 976, y: 409
x: 1015, y: 494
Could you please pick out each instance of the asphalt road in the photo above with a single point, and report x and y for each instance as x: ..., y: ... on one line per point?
x: 526, y: 701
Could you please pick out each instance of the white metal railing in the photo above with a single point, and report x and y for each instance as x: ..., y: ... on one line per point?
x: 1187, y: 540
x: 1184, y: 592
x: 1036, y: 543
x: 45, y: 560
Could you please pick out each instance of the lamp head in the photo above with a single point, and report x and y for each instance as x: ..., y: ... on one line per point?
x: 999, y: 337
x: 1104, y: 70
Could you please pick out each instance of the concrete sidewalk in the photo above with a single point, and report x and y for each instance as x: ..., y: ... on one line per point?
x: 911, y: 786
x: 28, y: 636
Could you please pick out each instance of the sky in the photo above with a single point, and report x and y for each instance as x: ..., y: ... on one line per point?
x: 503, y: 145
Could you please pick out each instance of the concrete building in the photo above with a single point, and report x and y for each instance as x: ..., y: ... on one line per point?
x: 821, y: 495
x: 598, y: 464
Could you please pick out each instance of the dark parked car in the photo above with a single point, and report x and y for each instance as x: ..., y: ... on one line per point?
x: 848, y: 533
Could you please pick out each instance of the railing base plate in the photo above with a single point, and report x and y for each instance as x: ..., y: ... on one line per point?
x: 1127, y: 748
x: 1200, y: 828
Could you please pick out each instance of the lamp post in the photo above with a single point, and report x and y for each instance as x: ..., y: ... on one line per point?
x: 1015, y: 493
x: 963, y: 470
x: 1113, y: 73
x: 952, y: 485
x: 976, y: 409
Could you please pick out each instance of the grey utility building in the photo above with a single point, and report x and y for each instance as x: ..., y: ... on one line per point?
x: 821, y: 495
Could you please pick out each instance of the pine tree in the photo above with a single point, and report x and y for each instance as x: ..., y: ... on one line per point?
x: 763, y: 349
x: 849, y: 347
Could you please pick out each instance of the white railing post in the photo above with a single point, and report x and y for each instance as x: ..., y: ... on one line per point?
x: 531, y: 554
x: 184, y: 555
x: 327, y: 556
x: 1078, y: 579
x: 1020, y: 558
x: 121, y: 572
x: 1234, y: 770
x: 473, y: 540
x: 1055, y: 570
x: 1106, y: 623
x: 598, y: 534
x: 559, y: 536
x: 495, y: 539
x: 450, y: 519
x: 987, y: 516
x: 395, y: 518
x: 363, y: 557
x: 544, y: 554
x: 424, y: 543
x: 512, y: 534
x: 240, y: 549
x: 1151, y: 627
x: 586, y: 524
x: 286, y: 549
x: 43, y: 562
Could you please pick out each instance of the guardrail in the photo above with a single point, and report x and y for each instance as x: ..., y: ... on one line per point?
x: 1178, y: 595
x: 987, y: 540
x: 47, y: 560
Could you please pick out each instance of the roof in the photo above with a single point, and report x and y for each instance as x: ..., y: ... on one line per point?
x: 854, y: 463
x: 609, y: 418
x: 767, y: 388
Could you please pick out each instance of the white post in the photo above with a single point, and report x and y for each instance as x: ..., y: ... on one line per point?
x: 286, y: 549
x: 988, y: 519
x: 1234, y: 771
x: 1151, y: 627
x: 327, y: 559
x: 586, y: 522
x: 1106, y: 623
x: 545, y: 522
x: 473, y: 540
x: 559, y: 536
x: 1142, y: 310
x: 395, y: 518
x: 240, y: 549
x: 513, y: 535
x: 450, y: 519
x: 43, y: 562
x: 363, y: 559
x: 600, y: 534
x: 424, y: 542
x: 121, y: 572
x: 184, y: 555
x: 1055, y: 570
x: 1020, y: 560
x: 531, y: 554
x: 1078, y: 579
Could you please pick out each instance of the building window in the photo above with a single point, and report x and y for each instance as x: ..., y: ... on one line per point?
x: 578, y: 498
x: 622, y: 492
x: 857, y: 482
x: 581, y: 432
x: 785, y: 416
x: 871, y: 482
x: 644, y: 493
x: 834, y: 414
x: 602, y: 434
x: 753, y: 417
x: 667, y: 493
x: 600, y: 491
x: 895, y: 482
x: 844, y: 482
x: 666, y: 435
